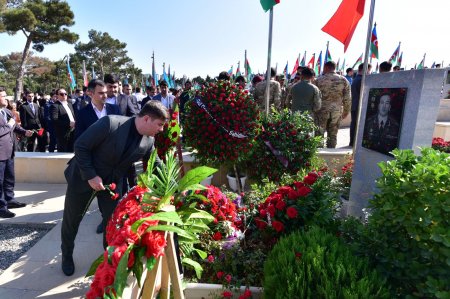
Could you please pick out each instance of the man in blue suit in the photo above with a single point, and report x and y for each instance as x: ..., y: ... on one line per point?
x: 164, y: 97
x: 96, y: 109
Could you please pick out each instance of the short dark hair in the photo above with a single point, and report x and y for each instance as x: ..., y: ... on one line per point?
x: 330, y: 64
x: 361, y: 67
x: 110, y: 79
x: 77, y: 90
x: 385, y: 66
x: 154, y: 109
x: 224, y: 76
x: 240, y: 79
x: 348, y: 70
x: 94, y: 83
x: 308, y: 73
x: 187, y: 82
x: 137, y: 89
x: 397, y: 67
x: 273, y: 72
x: 163, y: 83
x: 150, y: 87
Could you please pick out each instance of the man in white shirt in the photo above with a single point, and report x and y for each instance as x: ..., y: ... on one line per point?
x: 63, y: 117
x: 164, y: 97
x: 124, y: 101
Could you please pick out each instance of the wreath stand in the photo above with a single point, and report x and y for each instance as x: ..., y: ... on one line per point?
x: 165, y: 272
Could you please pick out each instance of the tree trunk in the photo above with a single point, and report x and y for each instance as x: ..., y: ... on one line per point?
x: 19, y: 78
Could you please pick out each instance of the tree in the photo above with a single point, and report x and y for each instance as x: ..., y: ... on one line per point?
x: 106, y: 54
x: 42, y: 23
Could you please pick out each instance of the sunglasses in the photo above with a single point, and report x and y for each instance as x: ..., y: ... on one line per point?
x: 62, y: 94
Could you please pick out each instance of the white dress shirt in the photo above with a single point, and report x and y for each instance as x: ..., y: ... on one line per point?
x: 69, y: 112
x: 99, y: 113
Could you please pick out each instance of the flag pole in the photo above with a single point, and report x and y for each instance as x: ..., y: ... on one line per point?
x: 326, y: 53
x: 363, y: 80
x: 423, y: 64
x: 245, y: 64
x: 269, y: 54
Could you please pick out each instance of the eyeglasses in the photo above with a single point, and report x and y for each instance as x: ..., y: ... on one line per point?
x: 62, y: 94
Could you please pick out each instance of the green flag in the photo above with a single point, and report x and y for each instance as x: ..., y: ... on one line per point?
x: 268, y: 4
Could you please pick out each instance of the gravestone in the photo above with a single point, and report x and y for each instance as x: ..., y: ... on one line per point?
x: 416, y: 124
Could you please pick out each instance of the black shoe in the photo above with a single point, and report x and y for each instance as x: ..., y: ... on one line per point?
x: 5, y: 213
x: 15, y: 204
x: 68, y: 267
x: 99, y: 229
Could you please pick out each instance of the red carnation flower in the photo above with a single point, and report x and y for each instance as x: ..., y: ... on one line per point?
x: 115, y: 196
x: 303, y: 191
x: 112, y: 186
x: 227, y: 294
x: 292, y: 212
x: 219, y: 274
x: 278, y: 226
x: 217, y: 236
x: 174, y: 135
x: 310, y: 178
x: 228, y: 278
x: 280, y: 205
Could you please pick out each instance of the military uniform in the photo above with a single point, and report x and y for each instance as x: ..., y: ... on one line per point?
x: 336, y: 102
x: 304, y: 96
x: 382, y: 138
x: 274, y: 94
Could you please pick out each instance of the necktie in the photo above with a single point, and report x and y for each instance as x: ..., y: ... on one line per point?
x: 381, y: 126
x: 32, y: 108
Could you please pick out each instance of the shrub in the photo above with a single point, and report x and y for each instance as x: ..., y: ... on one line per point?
x: 316, y: 264
x: 409, y: 229
x: 284, y: 145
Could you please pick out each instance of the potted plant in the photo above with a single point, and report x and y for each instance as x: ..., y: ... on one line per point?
x: 221, y: 122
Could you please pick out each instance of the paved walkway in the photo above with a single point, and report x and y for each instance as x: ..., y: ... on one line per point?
x: 38, y: 274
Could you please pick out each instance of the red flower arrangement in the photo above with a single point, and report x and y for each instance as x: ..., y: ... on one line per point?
x: 441, y: 145
x: 285, y: 145
x: 221, y: 121
x: 287, y: 208
x: 169, y: 137
x: 120, y: 237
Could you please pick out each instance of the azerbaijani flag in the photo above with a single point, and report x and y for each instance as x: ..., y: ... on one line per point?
x: 268, y: 4
x: 374, y: 43
x: 303, y: 61
x: 238, y: 71
x: 318, y: 67
x: 395, y: 54
x: 285, y: 71
x: 311, y: 61
x: 230, y: 71
x: 399, y: 62
x: 295, y: 67
x: 358, y: 61
x: 328, y: 55
x: 248, y: 70
x: 73, y: 83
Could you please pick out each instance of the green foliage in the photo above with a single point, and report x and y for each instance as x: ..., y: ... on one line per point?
x: 291, y: 136
x: 409, y: 229
x: 316, y: 264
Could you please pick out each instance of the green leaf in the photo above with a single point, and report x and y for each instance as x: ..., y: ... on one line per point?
x: 201, y: 253
x: 195, y: 176
x: 171, y: 217
x: 174, y: 229
x: 94, y: 265
x: 151, y: 261
x: 197, y: 267
x: 199, y: 214
x: 138, y: 268
x: 120, y: 280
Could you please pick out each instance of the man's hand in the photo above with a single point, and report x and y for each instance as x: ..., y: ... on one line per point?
x: 96, y: 183
x: 72, y: 124
x: 29, y: 133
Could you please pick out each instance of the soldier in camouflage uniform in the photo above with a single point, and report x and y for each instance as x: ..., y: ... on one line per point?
x: 336, y: 102
x: 274, y: 92
x: 303, y: 95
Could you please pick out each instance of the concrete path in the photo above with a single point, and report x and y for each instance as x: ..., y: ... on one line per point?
x: 38, y: 274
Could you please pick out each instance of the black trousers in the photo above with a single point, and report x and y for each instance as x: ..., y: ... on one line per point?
x: 7, y: 181
x: 75, y: 206
x: 354, y: 115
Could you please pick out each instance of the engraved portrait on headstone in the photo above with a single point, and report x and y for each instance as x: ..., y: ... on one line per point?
x: 383, y: 119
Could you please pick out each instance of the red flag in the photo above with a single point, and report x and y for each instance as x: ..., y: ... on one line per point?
x: 344, y: 21
x: 295, y: 68
x: 311, y: 62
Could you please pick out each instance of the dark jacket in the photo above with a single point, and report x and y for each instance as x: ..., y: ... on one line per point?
x: 28, y: 119
x: 126, y: 105
x: 7, y: 143
x: 86, y: 117
x: 60, y: 119
x: 100, y: 151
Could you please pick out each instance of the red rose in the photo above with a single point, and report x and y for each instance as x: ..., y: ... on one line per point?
x: 303, y: 191
x: 277, y: 225
x: 298, y: 255
x: 292, y: 212
x: 263, y: 213
x: 217, y: 236
x: 174, y: 135
x: 310, y: 178
x: 219, y: 274
x: 292, y: 194
x: 115, y: 196
x: 173, y: 124
x: 228, y: 278
x: 210, y: 258
x: 112, y: 186
x: 280, y: 205
x: 271, y: 210
x: 227, y: 294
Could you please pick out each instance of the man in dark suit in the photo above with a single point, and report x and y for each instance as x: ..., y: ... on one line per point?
x: 124, y: 101
x: 164, y: 97
x: 103, y: 155
x: 96, y: 109
x: 31, y: 119
x: 81, y: 100
x: 63, y: 118
x: 381, y: 131
x: 151, y: 91
x: 8, y: 126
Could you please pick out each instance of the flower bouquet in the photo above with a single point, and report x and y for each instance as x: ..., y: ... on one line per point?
x: 135, y: 233
x: 285, y: 145
x: 169, y: 137
x: 441, y: 145
x: 221, y: 122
